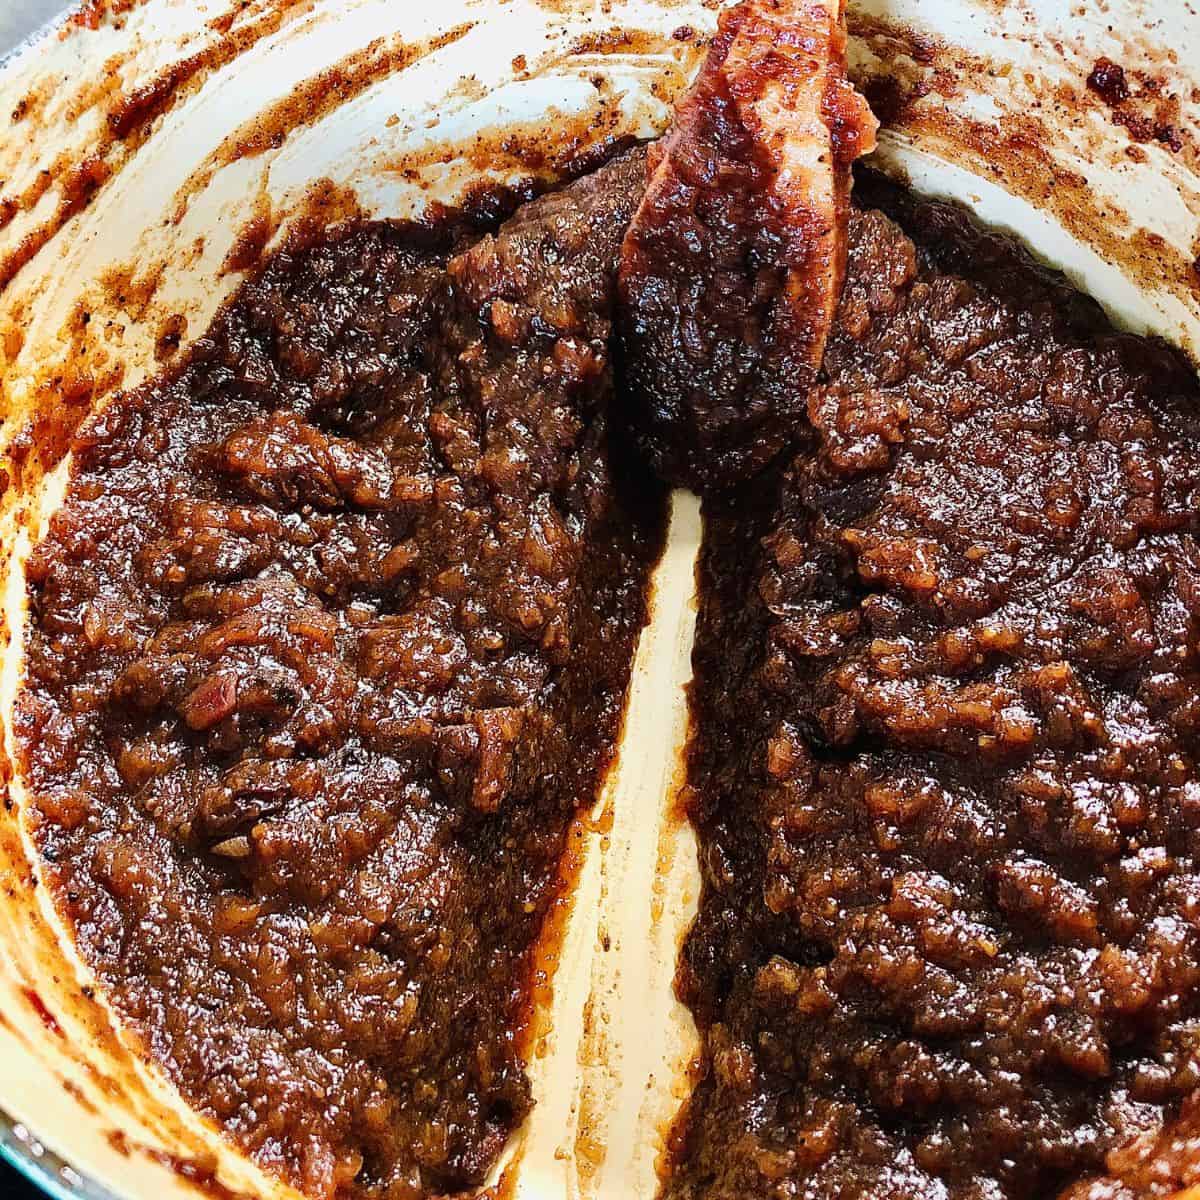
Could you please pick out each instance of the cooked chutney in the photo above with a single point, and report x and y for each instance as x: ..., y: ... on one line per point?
x: 328, y: 644
x: 944, y: 754
x: 330, y: 641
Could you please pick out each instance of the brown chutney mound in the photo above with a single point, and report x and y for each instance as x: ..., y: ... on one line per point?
x: 329, y: 642
x: 944, y: 755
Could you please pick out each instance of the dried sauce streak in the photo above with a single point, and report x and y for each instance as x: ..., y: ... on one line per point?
x: 944, y: 763
x: 329, y: 642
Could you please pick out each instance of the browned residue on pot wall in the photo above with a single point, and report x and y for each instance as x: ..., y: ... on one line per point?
x: 913, y: 81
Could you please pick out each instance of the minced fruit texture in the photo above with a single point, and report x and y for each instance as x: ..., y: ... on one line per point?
x: 943, y: 765
x: 328, y: 644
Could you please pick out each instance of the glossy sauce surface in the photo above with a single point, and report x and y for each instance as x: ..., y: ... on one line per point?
x: 943, y: 765
x: 329, y: 643
x: 331, y: 640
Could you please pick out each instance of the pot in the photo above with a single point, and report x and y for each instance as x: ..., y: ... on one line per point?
x: 157, y: 150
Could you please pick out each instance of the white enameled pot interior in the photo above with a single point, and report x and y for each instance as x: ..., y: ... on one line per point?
x: 239, y: 136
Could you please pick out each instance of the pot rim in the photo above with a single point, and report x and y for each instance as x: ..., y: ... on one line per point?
x: 40, y: 1166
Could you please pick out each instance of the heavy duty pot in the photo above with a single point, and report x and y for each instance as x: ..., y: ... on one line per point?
x: 154, y: 149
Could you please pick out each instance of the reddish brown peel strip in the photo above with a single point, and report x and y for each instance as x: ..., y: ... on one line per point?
x: 733, y: 265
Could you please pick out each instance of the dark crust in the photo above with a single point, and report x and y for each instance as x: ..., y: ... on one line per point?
x: 329, y: 642
x: 943, y: 758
